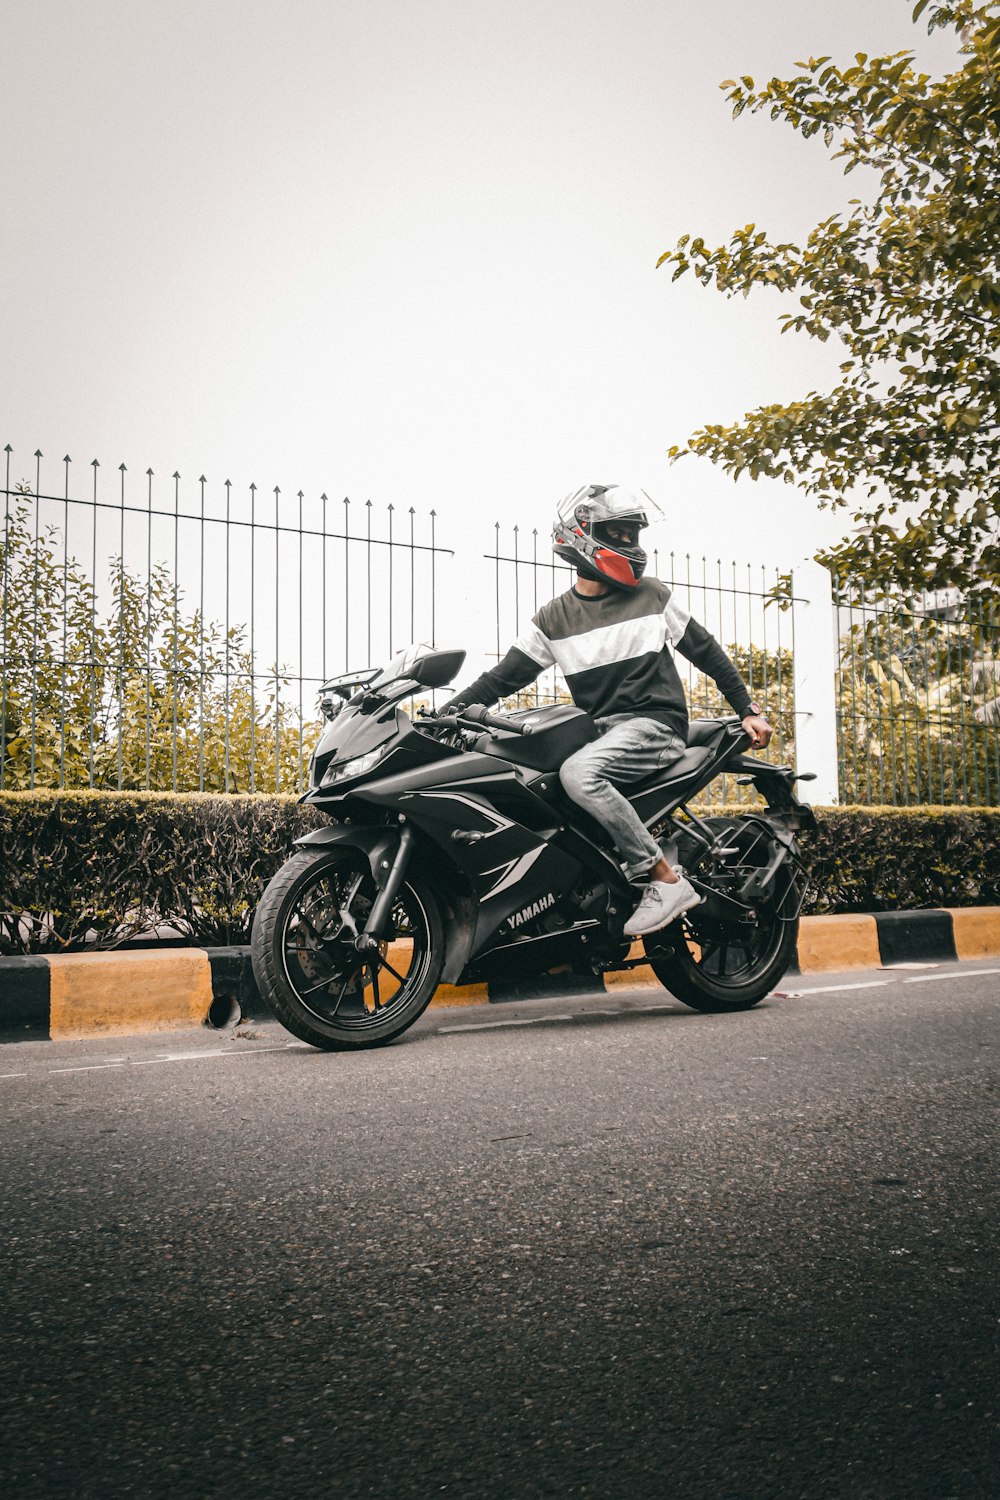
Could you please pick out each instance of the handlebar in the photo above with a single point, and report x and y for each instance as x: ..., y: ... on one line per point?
x: 477, y: 714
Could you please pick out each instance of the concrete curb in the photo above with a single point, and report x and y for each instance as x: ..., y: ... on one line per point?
x: 74, y: 995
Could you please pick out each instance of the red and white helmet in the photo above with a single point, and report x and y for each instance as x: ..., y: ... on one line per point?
x: 597, y: 530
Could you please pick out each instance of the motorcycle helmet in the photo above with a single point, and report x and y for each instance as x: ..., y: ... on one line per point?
x: 597, y: 531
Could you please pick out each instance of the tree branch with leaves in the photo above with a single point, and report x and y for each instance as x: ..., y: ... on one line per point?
x: 908, y: 440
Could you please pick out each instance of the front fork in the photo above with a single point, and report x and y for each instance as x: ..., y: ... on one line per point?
x: 389, y: 876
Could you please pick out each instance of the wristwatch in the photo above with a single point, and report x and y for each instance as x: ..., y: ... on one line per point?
x: 755, y: 709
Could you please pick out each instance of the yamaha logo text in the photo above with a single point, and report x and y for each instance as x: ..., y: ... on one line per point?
x: 534, y: 910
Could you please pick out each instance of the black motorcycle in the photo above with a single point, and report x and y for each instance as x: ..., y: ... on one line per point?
x: 454, y: 855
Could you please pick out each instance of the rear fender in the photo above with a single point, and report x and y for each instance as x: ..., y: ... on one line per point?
x: 459, y: 908
x: 776, y: 785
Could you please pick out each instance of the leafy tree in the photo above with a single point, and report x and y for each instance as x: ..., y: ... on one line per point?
x: 142, y: 696
x: 907, y: 279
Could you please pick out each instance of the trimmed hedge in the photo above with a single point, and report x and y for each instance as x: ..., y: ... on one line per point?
x: 902, y: 858
x: 82, y: 869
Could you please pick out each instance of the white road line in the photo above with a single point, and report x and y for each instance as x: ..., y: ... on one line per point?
x: 972, y: 974
x: 171, y: 1057
x: 483, y: 1026
x: 146, y: 1062
x: 833, y: 989
x: 497, y: 1025
x: 87, y: 1068
x: 632, y: 1010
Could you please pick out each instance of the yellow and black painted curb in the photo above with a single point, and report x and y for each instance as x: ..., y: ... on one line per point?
x: 165, y: 989
x: 67, y: 996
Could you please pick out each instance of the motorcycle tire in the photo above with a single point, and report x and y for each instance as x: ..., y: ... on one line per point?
x: 700, y: 976
x: 311, y: 975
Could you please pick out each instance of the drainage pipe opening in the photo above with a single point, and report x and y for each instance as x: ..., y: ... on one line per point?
x: 224, y: 1013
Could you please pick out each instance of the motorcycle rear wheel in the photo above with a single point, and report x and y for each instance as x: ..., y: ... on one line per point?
x: 308, y: 969
x: 714, y: 972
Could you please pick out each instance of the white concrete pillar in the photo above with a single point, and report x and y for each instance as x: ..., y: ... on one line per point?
x: 815, y: 670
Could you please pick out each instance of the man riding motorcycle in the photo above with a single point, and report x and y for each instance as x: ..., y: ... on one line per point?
x: 613, y: 635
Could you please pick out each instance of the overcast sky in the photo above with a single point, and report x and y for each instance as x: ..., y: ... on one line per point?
x: 405, y: 249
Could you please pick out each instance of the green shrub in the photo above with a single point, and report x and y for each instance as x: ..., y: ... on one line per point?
x: 103, y: 868
x: 80, y: 869
x: 897, y: 858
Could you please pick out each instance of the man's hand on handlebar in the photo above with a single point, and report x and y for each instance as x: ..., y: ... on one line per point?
x: 759, y: 731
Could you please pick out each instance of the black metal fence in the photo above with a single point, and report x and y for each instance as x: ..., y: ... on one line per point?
x: 918, y: 698
x: 167, y: 633
x: 171, y: 634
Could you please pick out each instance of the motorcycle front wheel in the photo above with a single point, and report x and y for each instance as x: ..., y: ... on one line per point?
x: 311, y: 974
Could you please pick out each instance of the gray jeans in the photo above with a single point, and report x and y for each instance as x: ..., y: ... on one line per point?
x: 628, y: 750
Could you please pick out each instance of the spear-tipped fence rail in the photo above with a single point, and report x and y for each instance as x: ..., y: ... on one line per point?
x: 163, y: 633
x: 172, y: 635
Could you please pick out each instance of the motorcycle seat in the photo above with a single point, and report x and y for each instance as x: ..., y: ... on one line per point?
x: 686, y: 765
x: 653, y: 793
x: 701, y: 731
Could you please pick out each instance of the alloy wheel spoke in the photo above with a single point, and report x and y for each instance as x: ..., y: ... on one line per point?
x: 323, y: 984
x: 307, y: 921
x: 343, y: 992
x: 352, y: 893
x: 385, y: 964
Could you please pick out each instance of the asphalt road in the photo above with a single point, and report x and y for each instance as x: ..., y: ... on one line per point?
x: 600, y: 1248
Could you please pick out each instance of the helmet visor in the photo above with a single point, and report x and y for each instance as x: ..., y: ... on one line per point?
x: 597, y: 503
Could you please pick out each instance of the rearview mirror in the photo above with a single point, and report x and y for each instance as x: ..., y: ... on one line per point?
x: 436, y: 669
x: 421, y: 664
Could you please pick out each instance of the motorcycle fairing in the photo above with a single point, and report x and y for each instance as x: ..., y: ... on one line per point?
x: 385, y: 791
x: 508, y: 865
x: 494, y: 820
x: 514, y: 875
x: 491, y: 820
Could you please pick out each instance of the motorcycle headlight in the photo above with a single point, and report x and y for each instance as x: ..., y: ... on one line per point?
x: 356, y: 767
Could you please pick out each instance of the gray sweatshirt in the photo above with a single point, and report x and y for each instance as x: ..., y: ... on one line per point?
x: 616, y: 653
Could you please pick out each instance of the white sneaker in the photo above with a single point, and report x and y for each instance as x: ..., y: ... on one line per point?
x: 662, y: 903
